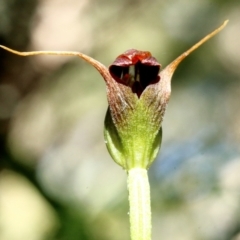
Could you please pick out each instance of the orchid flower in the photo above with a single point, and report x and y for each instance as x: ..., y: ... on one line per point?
x: 137, y: 93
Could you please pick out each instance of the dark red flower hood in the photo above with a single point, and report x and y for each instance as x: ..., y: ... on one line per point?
x: 136, y: 69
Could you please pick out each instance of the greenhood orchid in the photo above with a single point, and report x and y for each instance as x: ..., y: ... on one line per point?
x: 137, y: 93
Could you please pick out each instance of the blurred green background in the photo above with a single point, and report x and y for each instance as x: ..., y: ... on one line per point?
x: 57, y: 181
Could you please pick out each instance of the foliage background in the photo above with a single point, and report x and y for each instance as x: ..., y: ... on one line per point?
x: 57, y: 181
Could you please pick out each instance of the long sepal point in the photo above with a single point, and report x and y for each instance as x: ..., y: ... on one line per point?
x: 99, y: 66
x: 173, y: 65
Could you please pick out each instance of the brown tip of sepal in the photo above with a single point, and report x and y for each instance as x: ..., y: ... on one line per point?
x: 96, y: 64
x: 169, y: 70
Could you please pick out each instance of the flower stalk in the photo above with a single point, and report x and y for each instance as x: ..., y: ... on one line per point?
x: 140, y: 206
x: 137, y: 96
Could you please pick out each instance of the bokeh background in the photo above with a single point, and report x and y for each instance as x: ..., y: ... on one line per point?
x: 57, y: 181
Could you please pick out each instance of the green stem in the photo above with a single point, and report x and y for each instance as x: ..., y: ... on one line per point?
x: 140, y: 208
